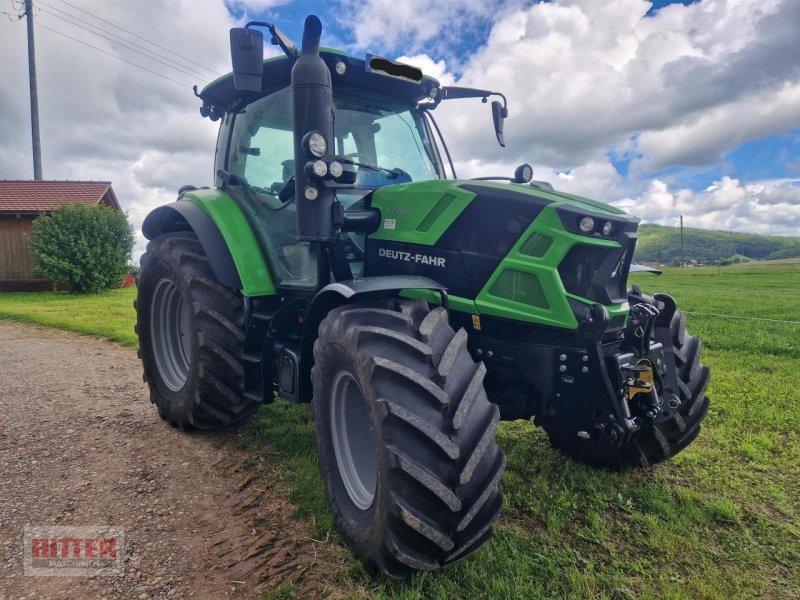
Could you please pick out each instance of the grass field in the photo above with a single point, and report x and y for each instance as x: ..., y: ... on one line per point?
x: 721, y: 520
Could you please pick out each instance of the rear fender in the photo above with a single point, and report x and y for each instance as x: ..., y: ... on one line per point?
x: 226, y: 236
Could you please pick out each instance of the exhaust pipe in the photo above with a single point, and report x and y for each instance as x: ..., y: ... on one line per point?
x: 312, y: 99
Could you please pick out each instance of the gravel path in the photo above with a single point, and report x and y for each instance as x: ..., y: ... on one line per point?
x: 80, y: 444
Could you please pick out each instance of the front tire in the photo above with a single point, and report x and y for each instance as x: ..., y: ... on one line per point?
x: 406, y: 436
x: 191, y: 336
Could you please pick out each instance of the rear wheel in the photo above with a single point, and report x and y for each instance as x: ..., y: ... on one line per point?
x: 406, y: 436
x: 653, y: 443
x: 191, y: 335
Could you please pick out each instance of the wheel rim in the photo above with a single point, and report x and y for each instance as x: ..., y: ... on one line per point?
x: 169, y: 330
x: 351, y: 430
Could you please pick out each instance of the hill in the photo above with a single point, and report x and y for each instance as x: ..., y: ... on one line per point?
x: 660, y: 244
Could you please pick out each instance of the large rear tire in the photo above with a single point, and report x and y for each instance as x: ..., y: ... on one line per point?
x: 191, y: 336
x: 406, y: 436
x: 654, y: 443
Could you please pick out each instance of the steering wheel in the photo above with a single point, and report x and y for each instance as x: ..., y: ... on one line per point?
x: 286, y: 193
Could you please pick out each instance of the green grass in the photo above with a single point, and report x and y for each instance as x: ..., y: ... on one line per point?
x: 721, y: 520
x: 108, y: 315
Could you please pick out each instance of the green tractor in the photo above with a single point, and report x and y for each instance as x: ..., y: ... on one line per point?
x: 337, y: 262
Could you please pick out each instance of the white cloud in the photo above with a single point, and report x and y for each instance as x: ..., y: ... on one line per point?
x: 255, y: 5
x: 416, y: 25
x: 770, y: 207
x: 104, y: 119
x: 584, y: 78
x: 434, y: 68
x: 586, y: 75
x: 704, y: 139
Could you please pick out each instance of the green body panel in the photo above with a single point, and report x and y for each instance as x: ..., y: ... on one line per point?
x: 557, y: 311
x: 239, y: 236
x: 419, y: 213
x: 405, y: 207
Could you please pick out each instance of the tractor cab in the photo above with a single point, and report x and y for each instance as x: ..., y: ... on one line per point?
x: 382, y: 135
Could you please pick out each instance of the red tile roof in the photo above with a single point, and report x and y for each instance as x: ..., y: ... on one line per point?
x: 25, y: 196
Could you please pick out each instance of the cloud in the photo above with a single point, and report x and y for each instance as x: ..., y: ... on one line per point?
x: 254, y: 6
x: 770, y: 207
x: 703, y: 139
x: 102, y: 118
x: 583, y: 76
x: 586, y: 80
x: 418, y: 25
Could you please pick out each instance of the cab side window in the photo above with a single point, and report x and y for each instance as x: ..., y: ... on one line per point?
x: 262, y: 151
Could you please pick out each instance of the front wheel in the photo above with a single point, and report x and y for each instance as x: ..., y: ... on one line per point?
x: 406, y: 436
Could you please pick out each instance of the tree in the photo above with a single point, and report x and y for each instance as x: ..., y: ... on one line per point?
x: 87, y: 246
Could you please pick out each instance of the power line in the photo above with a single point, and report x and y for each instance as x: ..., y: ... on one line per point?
x: 81, y: 23
x: 120, y: 43
x: 136, y: 35
x: 182, y: 84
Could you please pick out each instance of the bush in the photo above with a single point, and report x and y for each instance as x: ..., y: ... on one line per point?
x: 87, y: 246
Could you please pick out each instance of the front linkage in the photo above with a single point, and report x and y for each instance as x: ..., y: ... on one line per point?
x: 632, y: 401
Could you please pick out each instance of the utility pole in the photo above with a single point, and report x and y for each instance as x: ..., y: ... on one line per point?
x: 36, y: 143
x: 682, y: 263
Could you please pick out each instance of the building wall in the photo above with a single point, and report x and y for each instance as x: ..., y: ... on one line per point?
x: 16, y: 261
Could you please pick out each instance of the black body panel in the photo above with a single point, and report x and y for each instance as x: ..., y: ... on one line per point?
x: 599, y: 274
x: 470, y: 250
x: 186, y: 216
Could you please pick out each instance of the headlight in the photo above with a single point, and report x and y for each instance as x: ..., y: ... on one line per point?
x: 586, y: 224
x: 320, y: 168
x: 336, y: 169
x: 608, y: 227
x: 316, y: 143
x: 311, y: 193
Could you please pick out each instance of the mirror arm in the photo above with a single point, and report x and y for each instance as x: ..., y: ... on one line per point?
x: 455, y: 93
x: 278, y: 38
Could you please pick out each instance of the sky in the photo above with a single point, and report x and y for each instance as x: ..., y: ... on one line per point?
x: 661, y: 108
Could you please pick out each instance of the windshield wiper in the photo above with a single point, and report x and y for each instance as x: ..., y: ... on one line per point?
x: 393, y: 173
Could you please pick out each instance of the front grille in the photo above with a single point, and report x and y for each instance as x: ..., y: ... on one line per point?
x: 596, y: 273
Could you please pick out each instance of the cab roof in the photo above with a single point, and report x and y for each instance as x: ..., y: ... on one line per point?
x: 220, y: 96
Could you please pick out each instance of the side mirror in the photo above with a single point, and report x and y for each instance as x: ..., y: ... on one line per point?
x: 499, y: 113
x: 523, y: 173
x: 247, y: 56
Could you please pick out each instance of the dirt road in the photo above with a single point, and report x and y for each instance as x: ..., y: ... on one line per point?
x: 80, y: 444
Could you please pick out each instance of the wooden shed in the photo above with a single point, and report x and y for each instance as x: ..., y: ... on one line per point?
x: 21, y: 201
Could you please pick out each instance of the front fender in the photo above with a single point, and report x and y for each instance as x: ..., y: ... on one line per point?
x: 344, y: 292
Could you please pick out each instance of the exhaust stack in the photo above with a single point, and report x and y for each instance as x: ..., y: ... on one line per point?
x: 312, y: 98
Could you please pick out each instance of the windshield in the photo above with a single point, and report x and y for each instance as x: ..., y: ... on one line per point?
x: 383, y: 132
x: 385, y: 137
